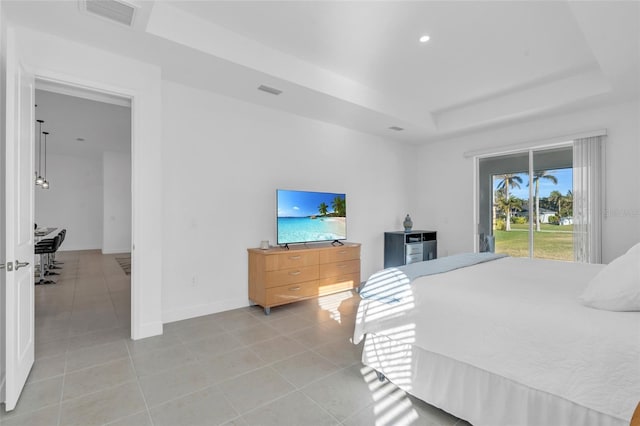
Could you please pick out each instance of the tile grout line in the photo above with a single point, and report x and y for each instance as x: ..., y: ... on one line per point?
x: 64, y: 375
x: 324, y: 409
x: 196, y: 361
x: 137, y: 379
x: 286, y: 395
x: 264, y: 404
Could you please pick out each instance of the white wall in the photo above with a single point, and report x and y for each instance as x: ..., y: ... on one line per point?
x: 73, y: 201
x: 91, y: 198
x: 223, y: 161
x: 116, y: 237
x: 446, y: 200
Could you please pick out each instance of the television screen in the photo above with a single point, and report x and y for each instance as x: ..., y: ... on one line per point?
x: 310, y: 216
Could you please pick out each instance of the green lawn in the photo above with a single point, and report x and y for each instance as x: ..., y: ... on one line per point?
x: 552, y: 242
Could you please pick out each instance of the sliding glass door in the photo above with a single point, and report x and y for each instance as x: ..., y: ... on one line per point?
x: 553, y: 204
x: 503, y: 226
x: 525, y: 203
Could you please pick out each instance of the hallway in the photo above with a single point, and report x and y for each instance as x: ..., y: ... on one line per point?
x: 92, y: 296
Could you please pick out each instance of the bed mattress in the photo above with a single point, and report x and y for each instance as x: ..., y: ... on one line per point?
x: 519, y: 320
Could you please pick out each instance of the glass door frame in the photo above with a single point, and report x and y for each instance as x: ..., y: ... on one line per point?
x: 530, y: 150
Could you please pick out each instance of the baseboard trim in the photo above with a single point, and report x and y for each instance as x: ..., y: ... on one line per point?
x: 147, y: 330
x: 117, y: 251
x: 67, y: 248
x: 2, y: 389
x: 179, y: 314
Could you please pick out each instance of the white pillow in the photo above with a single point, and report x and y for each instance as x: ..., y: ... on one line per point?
x: 617, y: 286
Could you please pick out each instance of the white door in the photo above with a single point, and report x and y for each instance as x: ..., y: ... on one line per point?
x: 19, y: 288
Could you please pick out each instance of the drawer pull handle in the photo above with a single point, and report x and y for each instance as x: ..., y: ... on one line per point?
x: 342, y: 266
x: 294, y: 257
x: 294, y: 288
x: 294, y: 273
x: 343, y: 252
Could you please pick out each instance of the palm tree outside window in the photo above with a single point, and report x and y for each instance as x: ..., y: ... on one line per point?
x: 514, y: 181
x: 537, y: 176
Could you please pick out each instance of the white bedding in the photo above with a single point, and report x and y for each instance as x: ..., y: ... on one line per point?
x: 521, y: 319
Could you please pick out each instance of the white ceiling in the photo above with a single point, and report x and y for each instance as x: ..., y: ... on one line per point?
x: 67, y: 117
x: 376, y: 44
x: 359, y: 64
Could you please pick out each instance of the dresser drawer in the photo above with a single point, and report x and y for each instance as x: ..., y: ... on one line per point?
x: 340, y: 283
x: 291, y: 260
x: 339, y: 254
x: 413, y: 249
x: 290, y: 293
x: 291, y: 276
x: 339, y: 268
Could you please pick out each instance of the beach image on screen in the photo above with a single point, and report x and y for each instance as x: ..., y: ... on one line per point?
x: 311, y: 216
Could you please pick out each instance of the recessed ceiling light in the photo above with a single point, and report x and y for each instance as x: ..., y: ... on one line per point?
x: 425, y: 38
x: 80, y: 139
x: 396, y: 128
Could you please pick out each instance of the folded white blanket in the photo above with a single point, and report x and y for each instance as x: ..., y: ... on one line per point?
x: 392, y: 284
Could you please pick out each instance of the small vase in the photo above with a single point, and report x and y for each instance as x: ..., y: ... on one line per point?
x: 408, y: 224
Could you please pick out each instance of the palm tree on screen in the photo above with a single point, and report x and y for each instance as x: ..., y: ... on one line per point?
x: 541, y: 174
x: 339, y: 206
x: 508, y: 180
x: 322, y: 208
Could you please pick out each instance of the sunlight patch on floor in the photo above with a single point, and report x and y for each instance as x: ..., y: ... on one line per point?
x: 331, y: 303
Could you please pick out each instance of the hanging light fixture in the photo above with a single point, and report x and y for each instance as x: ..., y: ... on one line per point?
x: 45, y: 182
x: 39, y: 178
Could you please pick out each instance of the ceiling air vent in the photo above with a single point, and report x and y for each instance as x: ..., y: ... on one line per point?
x: 113, y: 10
x: 396, y: 128
x: 269, y: 89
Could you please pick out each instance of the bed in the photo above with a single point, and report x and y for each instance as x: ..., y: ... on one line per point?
x: 503, y: 342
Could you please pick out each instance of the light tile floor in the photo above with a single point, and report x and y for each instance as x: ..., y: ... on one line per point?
x: 296, y: 366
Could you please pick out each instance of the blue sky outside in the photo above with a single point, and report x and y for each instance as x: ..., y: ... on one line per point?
x: 565, y: 183
x: 302, y: 203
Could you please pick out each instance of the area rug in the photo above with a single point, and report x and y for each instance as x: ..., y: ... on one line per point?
x: 125, y: 264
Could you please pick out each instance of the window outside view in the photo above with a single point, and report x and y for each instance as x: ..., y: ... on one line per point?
x: 552, y: 206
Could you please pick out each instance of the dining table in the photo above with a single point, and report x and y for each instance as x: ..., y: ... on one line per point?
x: 40, y: 233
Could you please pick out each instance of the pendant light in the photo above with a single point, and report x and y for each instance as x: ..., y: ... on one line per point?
x: 39, y: 178
x: 45, y: 182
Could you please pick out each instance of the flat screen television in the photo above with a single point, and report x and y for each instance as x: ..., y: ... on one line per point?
x: 304, y: 216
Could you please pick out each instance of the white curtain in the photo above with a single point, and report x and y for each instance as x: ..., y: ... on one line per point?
x: 588, y: 204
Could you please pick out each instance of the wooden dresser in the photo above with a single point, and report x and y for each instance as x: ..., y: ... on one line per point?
x: 278, y: 276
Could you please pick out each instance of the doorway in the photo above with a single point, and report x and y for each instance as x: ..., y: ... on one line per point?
x: 78, y: 66
x: 85, y: 156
